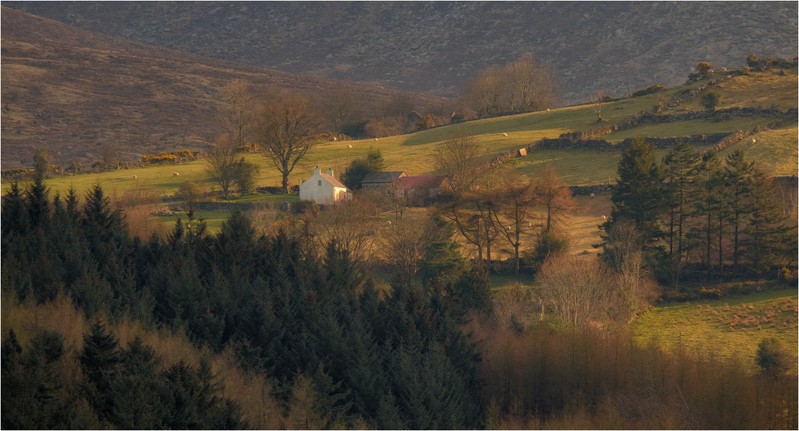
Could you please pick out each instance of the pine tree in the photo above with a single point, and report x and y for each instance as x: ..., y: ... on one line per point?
x: 638, y: 194
x: 38, y: 204
x: 101, y: 360
x: 738, y: 174
x: 768, y: 239
x: 138, y: 394
x: 35, y: 395
x: 708, y: 205
x: 15, y: 213
x: 679, y: 178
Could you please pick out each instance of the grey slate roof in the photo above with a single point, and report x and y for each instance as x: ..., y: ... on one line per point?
x: 381, y: 178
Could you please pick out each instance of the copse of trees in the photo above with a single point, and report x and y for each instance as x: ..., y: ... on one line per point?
x: 698, y: 216
x: 523, y: 85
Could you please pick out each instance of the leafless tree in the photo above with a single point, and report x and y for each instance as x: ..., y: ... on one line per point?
x: 341, y: 108
x: 520, y: 86
x: 555, y: 197
x: 403, y: 245
x: 237, y: 115
x: 514, y: 214
x: 191, y: 193
x: 575, y: 288
x: 222, y: 163
x: 287, y: 130
x: 351, y: 225
x: 461, y: 162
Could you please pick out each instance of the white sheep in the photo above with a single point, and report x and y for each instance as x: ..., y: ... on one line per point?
x: 604, y: 218
x: 754, y: 140
x: 349, y: 145
x: 175, y: 174
x: 505, y: 134
x: 135, y: 177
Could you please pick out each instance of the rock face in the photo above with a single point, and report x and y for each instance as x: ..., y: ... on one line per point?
x: 437, y: 47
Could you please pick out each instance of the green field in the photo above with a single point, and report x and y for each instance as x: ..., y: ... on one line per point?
x: 774, y: 150
x: 728, y: 328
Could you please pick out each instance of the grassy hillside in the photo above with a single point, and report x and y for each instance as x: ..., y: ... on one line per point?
x: 730, y: 328
x: 775, y: 150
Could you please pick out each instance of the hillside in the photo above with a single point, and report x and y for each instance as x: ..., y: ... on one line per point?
x: 437, y: 47
x: 774, y: 147
x: 74, y: 92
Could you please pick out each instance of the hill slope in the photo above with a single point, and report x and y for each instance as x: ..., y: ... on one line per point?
x: 72, y: 92
x: 438, y: 46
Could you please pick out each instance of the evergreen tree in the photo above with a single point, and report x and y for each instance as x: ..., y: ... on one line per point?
x: 38, y: 203
x: 638, y: 194
x: 738, y: 173
x: 100, y: 360
x: 679, y: 183
x: 768, y: 241
x: 138, y: 394
x: 35, y: 393
x: 14, y: 214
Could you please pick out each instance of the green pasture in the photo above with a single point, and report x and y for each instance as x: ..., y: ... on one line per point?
x: 728, y: 328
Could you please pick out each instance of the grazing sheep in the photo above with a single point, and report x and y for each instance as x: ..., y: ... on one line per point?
x: 592, y: 195
x: 505, y: 135
x: 175, y: 174
x: 754, y: 140
x: 135, y: 177
x: 547, y: 109
x: 604, y: 218
x: 335, y: 138
x: 349, y: 145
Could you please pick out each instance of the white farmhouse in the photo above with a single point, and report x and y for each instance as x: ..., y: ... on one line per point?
x: 323, y: 188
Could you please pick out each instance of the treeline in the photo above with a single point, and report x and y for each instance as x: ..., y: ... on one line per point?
x: 699, y: 216
x: 305, y: 317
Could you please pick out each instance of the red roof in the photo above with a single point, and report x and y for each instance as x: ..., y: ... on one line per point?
x: 420, y: 182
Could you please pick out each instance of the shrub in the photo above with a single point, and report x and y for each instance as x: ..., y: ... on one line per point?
x: 752, y: 60
x: 710, y: 100
x: 648, y: 90
x: 772, y: 357
x: 703, y: 67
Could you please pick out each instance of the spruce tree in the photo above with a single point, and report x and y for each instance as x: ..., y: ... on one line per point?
x: 100, y: 360
x: 638, y: 194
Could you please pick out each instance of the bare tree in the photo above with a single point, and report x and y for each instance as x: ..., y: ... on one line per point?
x: 460, y: 161
x: 635, y: 286
x: 555, y: 197
x: 514, y: 213
x: 350, y: 224
x: 287, y: 130
x: 403, y: 246
x: 575, y: 289
x: 600, y: 99
x: 237, y: 116
x: 222, y: 163
x: 191, y: 193
x: 520, y: 86
x: 341, y: 108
